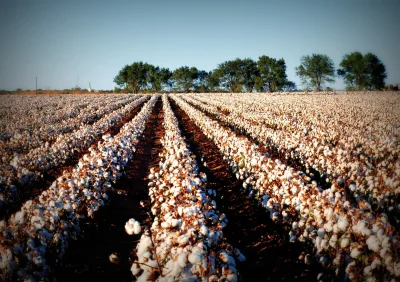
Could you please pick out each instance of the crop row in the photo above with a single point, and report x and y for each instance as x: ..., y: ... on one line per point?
x: 185, y: 241
x: 353, y: 125
x: 24, y: 169
x: 28, y: 112
x: 378, y: 184
x: 355, y: 243
x: 46, y: 132
x: 37, y: 236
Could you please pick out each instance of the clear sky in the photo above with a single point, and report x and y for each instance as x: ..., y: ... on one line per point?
x: 68, y: 42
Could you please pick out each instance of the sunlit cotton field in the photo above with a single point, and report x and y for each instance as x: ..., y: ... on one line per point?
x: 200, y: 187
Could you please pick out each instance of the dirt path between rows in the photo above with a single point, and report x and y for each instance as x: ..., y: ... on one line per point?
x: 87, y: 259
x: 34, y: 189
x: 270, y: 255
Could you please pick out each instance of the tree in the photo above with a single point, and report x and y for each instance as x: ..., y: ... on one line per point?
x: 164, y: 78
x: 362, y: 71
x: 157, y: 77
x: 236, y: 74
x: 272, y: 74
x: 132, y: 77
x: 212, y: 81
x: 315, y: 70
x: 228, y: 75
x: 201, y: 84
x: 184, y: 78
x: 248, y: 72
x: 290, y: 86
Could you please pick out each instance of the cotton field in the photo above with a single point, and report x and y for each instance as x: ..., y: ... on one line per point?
x: 200, y: 187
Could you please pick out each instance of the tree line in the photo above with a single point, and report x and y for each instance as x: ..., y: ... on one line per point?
x: 360, y: 72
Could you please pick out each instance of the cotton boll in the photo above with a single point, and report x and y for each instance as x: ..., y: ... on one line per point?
x: 342, y: 224
x: 137, y: 228
x: 135, y: 269
x: 386, y: 241
x: 324, y: 244
x: 182, y: 259
x: 345, y: 242
x: 114, y: 258
x: 223, y: 256
x: 335, y: 229
x: 197, y: 181
x: 204, y: 230
x: 132, y: 227
x: 338, y: 260
x: 355, y: 253
x: 377, y: 262
x: 183, y: 239
x: 321, y: 232
x: 175, y: 223
x: 368, y: 270
x: 180, y: 210
x: 232, y: 277
x: 373, y: 243
x: 145, y: 276
x: 318, y: 242
x: 328, y: 227
x: 195, y: 258
x: 388, y: 260
x: 352, y: 187
x: 383, y: 252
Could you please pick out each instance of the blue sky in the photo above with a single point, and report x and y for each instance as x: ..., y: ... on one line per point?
x: 59, y: 41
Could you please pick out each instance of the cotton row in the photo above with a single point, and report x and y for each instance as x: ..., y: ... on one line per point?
x: 42, y: 228
x: 379, y: 184
x: 23, y: 141
x: 315, y: 215
x: 25, y: 168
x: 185, y: 241
x: 27, y: 112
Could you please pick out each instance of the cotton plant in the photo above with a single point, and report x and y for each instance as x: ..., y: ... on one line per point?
x: 28, y: 167
x: 300, y: 132
x: 64, y: 120
x: 335, y: 227
x: 185, y: 240
x: 48, y: 222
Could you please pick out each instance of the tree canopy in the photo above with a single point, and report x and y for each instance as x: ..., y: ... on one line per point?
x: 236, y: 75
x: 185, y: 78
x: 141, y: 76
x: 267, y: 74
x: 272, y: 74
x: 362, y: 71
x: 315, y: 70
